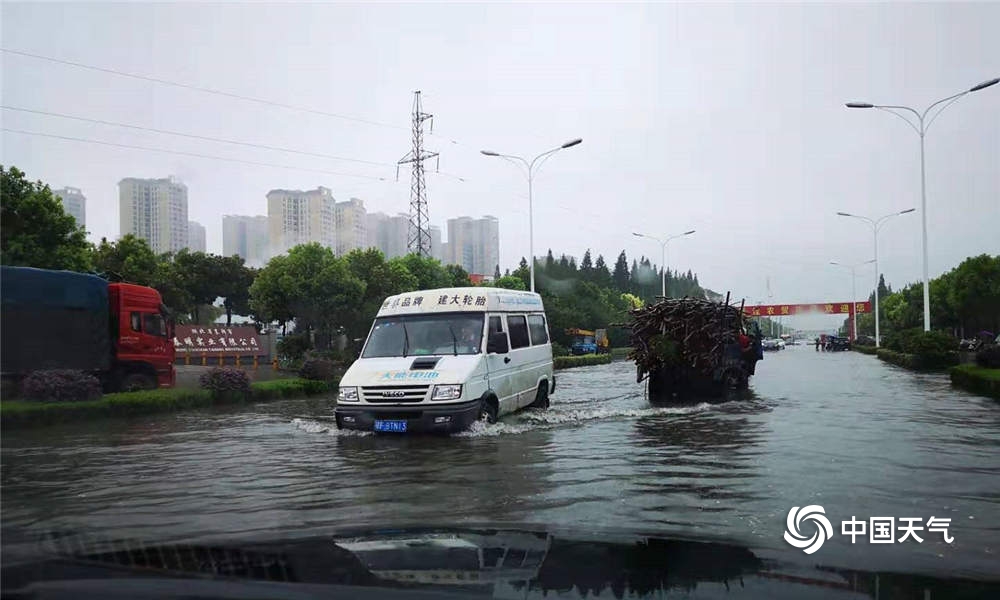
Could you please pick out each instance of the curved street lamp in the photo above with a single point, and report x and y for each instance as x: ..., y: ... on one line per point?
x: 876, y: 225
x: 854, y: 293
x: 531, y: 169
x: 663, y: 256
x: 921, y: 127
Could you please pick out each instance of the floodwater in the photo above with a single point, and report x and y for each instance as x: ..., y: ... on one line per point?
x: 840, y: 430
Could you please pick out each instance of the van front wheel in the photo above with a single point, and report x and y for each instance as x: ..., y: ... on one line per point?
x: 488, y: 411
x: 542, y: 396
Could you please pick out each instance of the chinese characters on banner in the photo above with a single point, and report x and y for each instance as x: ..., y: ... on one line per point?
x: 216, y: 339
x: 784, y: 310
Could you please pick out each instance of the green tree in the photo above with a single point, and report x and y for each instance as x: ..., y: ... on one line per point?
x: 271, y: 293
x: 620, y: 276
x: 199, y: 274
x: 974, y: 293
x: 459, y: 277
x: 34, y: 229
x: 129, y: 259
x: 235, y: 279
x: 601, y: 276
x: 310, y: 285
x: 587, y: 267
x: 510, y: 282
x: 382, y: 279
x: 429, y: 272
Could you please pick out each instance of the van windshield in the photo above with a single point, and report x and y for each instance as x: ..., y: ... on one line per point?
x: 418, y: 335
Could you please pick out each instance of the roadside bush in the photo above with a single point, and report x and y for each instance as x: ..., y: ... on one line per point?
x: 294, y: 347
x: 226, y: 383
x: 60, y: 385
x: 566, y: 362
x: 559, y: 350
x: 318, y: 369
x: 290, y: 388
x: 989, y: 357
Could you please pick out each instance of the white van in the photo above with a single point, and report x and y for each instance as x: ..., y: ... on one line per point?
x: 438, y: 360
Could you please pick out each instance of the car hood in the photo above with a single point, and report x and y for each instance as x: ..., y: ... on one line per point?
x: 412, y: 370
x: 424, y: 562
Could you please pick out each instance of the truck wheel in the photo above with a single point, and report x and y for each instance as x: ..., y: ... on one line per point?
x: 138, y: 381
x: 488, y: 411
x: 542, y: 397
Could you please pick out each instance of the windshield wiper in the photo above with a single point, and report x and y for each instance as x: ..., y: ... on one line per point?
x: 454, y: 340
x: 406, y: 339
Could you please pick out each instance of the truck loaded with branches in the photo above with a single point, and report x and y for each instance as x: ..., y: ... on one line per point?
x: 693, y: 348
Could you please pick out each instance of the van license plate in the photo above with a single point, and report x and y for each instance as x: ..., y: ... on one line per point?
x: 392, y: 426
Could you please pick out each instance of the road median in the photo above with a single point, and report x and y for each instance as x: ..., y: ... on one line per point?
x: 976, y: 379
x: 566, y: 362
x: 21, y: 413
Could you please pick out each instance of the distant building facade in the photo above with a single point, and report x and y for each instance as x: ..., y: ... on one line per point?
x: 352, y: 226
x: 299, y: 217
x: 247, y: 237
x: 155, y: 210
x: 196, y: 237
x: 388, y: 234
x: 74, y: 203
x: 436, y: 243
x: 474, y: 244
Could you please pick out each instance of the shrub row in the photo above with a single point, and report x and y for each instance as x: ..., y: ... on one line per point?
x: 25, y: 413
x: 979, y: 380
x: 565, y: 362
x: 918, y: 362
x: 620, y: 353
x: 864, y: 349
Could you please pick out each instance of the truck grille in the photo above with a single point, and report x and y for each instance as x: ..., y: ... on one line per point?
x: 394, y: 393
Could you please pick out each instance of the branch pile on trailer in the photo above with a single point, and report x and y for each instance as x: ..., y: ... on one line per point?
x: 684, y: 334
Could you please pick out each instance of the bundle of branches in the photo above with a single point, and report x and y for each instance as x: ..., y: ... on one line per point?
x: 683, y: 333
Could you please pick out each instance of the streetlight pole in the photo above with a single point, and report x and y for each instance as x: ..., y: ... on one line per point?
x: 530, y: 170
x: 663, y: 256
x: 854, y: 292
x: 876, y: 225
x: 921, y: 127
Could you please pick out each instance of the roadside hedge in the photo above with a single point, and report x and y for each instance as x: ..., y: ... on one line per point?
x: 126, y: 404
x: 619, y: 353
x: 918, y: 362
x: 865, y: 349
x: 980, y: 380
x: 566, y: 362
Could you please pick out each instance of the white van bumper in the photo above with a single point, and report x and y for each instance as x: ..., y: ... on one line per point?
x: 420, y: 418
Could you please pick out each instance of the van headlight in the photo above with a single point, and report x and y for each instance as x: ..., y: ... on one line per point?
x: 447, y: 392
x: 347, y: 394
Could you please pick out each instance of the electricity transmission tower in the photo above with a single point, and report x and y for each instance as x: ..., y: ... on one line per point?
x: 419, y: 236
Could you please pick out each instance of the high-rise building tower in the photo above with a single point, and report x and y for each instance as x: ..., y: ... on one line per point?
x: 155, y: 210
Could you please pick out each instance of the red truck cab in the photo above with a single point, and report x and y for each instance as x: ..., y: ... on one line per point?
x: 143, y: 337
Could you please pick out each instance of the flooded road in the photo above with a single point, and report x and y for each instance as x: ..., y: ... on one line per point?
x: 840, y: 430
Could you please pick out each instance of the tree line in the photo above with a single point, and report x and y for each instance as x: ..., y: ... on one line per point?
x: 964, y: 301
x: 310, y: 286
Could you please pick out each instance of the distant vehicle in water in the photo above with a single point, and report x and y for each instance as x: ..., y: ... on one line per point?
x: 836, y: 343
x: 119, y: 332
x: 439, y: 360
x: 588, y: 342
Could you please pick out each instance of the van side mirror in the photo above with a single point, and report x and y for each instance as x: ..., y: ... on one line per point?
x: 497, y: 343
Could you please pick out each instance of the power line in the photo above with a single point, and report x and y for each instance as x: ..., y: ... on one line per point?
x: 194, y: 154
x: 195, y: 136
x: 203, y: 89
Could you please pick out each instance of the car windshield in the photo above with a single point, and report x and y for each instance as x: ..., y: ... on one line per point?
x: 421, y: 335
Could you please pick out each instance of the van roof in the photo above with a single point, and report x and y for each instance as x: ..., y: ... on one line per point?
x: 462, y: 299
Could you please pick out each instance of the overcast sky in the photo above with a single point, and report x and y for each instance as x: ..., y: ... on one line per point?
x: 724, y: 119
